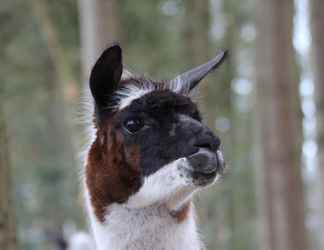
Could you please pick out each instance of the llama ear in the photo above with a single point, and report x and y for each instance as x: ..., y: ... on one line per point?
x: 185, y: 82
x: 105, y: 76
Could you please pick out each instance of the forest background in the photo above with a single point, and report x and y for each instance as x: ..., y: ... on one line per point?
x: 266, y: 103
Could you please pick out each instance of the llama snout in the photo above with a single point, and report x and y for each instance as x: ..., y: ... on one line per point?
x: 205, y: 165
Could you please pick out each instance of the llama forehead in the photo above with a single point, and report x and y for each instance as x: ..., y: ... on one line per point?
x: 133, y: 89
x: 159, y: 103
x: 126, y: 95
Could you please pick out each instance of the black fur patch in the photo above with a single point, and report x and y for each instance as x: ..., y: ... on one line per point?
x: 172, y: 126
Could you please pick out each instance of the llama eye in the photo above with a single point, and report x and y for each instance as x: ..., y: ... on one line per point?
x: 133, y: 125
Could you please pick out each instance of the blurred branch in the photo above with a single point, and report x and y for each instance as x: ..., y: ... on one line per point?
x: 56, y: 51
x: 7, y: 220
x: 99, y: 26
x: 317, y: 21
x: 61, y: 89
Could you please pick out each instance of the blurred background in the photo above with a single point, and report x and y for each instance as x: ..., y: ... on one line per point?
x: 266, y: 103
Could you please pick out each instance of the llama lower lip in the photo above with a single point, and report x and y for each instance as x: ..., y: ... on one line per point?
x: 202, y: 175
x: 202, y: 179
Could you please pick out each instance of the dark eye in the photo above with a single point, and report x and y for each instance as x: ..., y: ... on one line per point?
x: 133, y: 125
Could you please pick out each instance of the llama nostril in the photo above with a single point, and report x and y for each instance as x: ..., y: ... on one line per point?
x: 209, y: 143
x: 204, y: 145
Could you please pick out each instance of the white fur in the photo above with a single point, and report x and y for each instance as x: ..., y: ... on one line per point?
x: 129, y: 94
x: 145, y: 229
x: 145, y: 221
x: 127, y: 74
x: 176, y: 85
x: 132, y: 92
x: 160, y: 187
x: 81, y: 241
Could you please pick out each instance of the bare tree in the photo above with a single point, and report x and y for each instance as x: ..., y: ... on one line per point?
x: 283, y: 199
x: 317, y: 20
x: 7, y: 223
x: 61, y: 150
x: 63, y: 70
x: 196, y: 31
x: 99, y: 26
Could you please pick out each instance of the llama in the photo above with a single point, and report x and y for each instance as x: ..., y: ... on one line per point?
x: 150, y: 153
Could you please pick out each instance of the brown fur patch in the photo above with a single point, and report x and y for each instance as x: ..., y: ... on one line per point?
x: 183, y: 213
x: 113, y: 170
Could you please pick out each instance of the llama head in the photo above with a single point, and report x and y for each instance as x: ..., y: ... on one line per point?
x: 151, y: 145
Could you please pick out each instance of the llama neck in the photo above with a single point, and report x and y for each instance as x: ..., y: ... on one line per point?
x: 144, y: 229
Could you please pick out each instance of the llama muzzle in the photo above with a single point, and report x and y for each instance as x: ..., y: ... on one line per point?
x: 205, y: 165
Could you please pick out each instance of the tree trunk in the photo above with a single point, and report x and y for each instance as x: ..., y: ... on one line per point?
x: 196, y: 31
x: 99, y: 27
x: 7, y: 222
x: 59, y: 181
x: 317, y: 20
x: 282, y: 184
x: 56, y: 52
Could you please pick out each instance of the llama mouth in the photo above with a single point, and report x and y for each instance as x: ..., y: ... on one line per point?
x: 205, y: 165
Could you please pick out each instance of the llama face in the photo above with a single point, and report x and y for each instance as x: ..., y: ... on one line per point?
x: 151, y: 145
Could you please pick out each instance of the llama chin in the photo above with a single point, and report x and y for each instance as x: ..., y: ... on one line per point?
x: 150, y: 153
